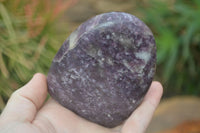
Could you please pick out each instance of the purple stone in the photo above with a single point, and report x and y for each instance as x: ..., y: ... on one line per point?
x: 104, y: 68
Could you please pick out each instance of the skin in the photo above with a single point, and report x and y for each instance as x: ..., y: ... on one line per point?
x: 27, y: 111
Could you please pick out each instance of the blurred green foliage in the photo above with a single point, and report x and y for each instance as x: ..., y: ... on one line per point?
x: 176, y: 25
x: 27, y: 40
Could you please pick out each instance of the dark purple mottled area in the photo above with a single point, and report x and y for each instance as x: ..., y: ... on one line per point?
x: 104, y: 68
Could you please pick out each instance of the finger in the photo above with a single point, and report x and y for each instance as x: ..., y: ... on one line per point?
x: 64, y: 120
x: 140, y: 118
x: 24, y: 103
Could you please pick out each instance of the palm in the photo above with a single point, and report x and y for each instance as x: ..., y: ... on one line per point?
x: 26, y: 112
x: 65, y: 121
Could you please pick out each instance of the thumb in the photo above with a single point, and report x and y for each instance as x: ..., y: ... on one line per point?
x: 25, y: 102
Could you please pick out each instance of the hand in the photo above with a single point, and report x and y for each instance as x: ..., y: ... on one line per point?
x: 27, y: 111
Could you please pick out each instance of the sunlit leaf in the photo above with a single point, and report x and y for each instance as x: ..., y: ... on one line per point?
x: 7, y: 22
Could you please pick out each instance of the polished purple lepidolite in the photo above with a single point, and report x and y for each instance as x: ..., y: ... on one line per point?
x: 104, y: 68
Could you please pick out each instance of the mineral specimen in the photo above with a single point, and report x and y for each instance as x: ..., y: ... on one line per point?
x: 104, y: 68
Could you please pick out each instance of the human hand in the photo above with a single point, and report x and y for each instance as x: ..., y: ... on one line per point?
x: 27, y: 111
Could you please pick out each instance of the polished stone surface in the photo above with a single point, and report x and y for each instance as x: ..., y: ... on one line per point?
x: 104, y: 68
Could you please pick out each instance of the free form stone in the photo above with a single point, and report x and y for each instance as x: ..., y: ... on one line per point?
x: 104, y: 68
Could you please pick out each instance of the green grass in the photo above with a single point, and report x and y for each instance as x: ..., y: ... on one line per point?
x: 28, y: 42
x: 177, y: 32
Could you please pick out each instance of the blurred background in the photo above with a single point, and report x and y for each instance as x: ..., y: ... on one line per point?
x: 31, y: 32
